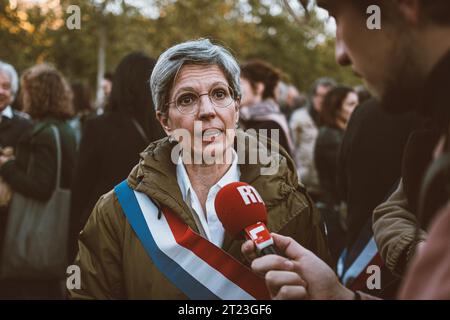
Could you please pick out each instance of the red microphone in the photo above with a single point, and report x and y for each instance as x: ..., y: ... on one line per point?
x: 242, y: 212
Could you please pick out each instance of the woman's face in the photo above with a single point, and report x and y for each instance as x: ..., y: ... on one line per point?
x: 211, y: 129
x: 348, y: 106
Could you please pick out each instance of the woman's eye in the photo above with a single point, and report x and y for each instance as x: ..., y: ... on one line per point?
x: 186, y: 100
x: 219, y: 94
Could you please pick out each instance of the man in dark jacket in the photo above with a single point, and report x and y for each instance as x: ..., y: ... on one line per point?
x: 407, y: 64
x: 369, y: 166
x: 12, y: 123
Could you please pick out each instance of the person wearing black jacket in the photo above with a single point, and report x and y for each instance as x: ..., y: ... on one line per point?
x: 369, y: 168
x: 111, y: 143
x: 337, y: 107
x: 13, y: 123
x: 33, y: 171
x: 259, y: 110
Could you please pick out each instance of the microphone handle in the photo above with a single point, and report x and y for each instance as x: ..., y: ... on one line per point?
x: 268, y: 250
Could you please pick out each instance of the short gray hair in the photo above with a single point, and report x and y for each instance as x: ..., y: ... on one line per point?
x: 201, y: 52
x: 12, y: 74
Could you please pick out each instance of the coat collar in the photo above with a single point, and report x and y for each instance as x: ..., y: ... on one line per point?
x: 7, y: 113
x: 155, y: 175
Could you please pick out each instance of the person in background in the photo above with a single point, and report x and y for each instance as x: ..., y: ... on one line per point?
x: 407, y: 65
x: 337, y: 108
x: 13, y: 124
x: 304, y: 125
x: 111, y: 143
x: 83, y: 108
x: 366, y: 177
x: 258, y: 107
x: 106, y: 86
x: 289, y: 99
x: 47, y: 98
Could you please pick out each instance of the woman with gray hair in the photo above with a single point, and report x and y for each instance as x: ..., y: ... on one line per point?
x: 157, y: 234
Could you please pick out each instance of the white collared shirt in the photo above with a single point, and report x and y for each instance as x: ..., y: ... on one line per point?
x: 211, y: 225
x: 7, y: 112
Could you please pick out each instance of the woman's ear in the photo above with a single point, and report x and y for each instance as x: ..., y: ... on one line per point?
x: 163, y: 119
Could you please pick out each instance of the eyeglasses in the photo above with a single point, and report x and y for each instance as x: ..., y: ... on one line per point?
x: 188, y: 102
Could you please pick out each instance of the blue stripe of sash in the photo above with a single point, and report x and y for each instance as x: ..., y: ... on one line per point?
x: 176, y: 274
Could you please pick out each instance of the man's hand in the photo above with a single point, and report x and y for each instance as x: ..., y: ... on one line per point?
x: 301, y: 275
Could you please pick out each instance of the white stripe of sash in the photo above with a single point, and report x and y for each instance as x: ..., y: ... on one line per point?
x: 212, y: 279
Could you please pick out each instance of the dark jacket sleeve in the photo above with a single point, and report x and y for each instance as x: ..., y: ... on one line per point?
x: 326, y: 153
x: 40, y: 181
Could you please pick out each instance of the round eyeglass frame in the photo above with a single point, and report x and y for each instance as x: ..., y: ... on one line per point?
x: 194, y: 110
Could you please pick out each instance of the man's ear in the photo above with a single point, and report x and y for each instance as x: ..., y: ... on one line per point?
x: 410, y: 10
x: 163, y: 119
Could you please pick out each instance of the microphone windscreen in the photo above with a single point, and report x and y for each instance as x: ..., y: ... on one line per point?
x: 238, y: 205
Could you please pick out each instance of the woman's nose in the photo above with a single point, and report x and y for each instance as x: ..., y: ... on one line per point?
x: 206, y: 109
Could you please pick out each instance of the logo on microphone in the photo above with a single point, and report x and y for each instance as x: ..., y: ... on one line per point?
x: 249, y: 195
x: 260, y: 235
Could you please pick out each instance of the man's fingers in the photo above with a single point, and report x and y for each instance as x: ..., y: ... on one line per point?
x: 291, y: 293
x: 275, y: 280
x: 289, y: 247
x: 249, y: 251
x: 264, y: 264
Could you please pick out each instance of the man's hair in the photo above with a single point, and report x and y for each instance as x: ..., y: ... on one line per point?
x: 197, y: 52
x: 257, y: 70
x: 435, y: 11
x: 12, y: 74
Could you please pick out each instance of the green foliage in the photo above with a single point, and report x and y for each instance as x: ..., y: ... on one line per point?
x: 249, y: 29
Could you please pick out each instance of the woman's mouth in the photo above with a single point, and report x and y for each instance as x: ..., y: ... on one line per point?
x: 210, y: 135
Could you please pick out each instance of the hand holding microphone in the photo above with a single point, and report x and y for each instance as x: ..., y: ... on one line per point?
x: 242, y: 212
x: 296, y: 273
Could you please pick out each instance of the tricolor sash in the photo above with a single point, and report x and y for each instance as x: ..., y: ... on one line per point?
x: 355, y: 276
x: 197, y: 267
